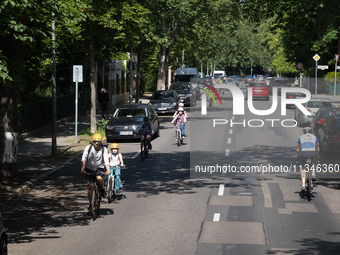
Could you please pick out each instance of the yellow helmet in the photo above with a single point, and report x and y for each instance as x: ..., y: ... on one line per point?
x: 114, y: 146
x: 97, y: 137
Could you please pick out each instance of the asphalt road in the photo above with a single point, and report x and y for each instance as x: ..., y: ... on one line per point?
x: 169, y: 207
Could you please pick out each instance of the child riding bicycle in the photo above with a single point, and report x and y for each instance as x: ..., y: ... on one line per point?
x: 146, y: 131
x: 180, y: 121
x: 116, y: 162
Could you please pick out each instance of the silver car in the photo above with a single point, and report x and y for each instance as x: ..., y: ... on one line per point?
x: 3, y: 238
x: 312, y: 106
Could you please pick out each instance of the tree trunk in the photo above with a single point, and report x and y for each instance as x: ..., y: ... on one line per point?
x: 164, y: 59
x: 139, y: 62
x: 93, y: 85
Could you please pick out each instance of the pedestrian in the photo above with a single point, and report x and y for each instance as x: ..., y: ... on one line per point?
x: 103, y: 101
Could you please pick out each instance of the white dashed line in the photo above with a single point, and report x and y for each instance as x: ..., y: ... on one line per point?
x: 230, y: 131
x: 136, y: 155
x: 217, y: 217
x: 229, y: 140
x: 227, y: 152
x: 221, y: 190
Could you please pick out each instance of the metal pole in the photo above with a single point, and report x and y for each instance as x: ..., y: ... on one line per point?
x: 131, y: 78
x: 335, y: 79
x: 316, y: 77
x: 54, y: 91
x: 300, y: 79
x: 76, y: 102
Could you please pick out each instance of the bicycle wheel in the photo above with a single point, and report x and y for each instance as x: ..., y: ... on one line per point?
x: 142, y: 148
x: 110, y: 190
x: 309, y: 189
x: 178, y: 137
x: 94, y: 202
x: 146, y: 150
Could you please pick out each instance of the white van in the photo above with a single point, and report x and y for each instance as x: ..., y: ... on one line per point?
x: 219, y: 74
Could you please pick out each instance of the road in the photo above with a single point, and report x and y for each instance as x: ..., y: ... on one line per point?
x: 169, y: 207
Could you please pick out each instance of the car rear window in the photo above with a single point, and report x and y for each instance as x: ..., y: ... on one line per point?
x: 318, y: 104
x: 257, y: 85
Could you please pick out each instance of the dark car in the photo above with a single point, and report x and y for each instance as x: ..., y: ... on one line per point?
x: 320, y: 117
x: 3, y: 238
x: 128, y: 118
x: 293, y: 95
x: 329, y: 135
x: 185, y: 92
x: 165, y: 101
x: 237, y: 79
x: 279, y: 83
x: 259, y: 90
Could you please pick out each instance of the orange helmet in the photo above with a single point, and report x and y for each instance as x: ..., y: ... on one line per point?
x: 97, y: 137
x: 115, y: 146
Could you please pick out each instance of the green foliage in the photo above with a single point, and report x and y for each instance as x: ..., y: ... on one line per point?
x: 101, y: 127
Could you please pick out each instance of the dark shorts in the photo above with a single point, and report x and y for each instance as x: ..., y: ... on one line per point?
x: 307, y: 155
x: 92, y: 175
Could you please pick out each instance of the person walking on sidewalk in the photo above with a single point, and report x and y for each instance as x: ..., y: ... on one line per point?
x: 103, y: 99
x: 93, y: 163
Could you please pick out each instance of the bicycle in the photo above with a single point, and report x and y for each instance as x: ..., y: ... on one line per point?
x: 96, y: 199
x: 309, y: 180
x: 111, y: 192
x: 179, y: 137
x: 144, y: 148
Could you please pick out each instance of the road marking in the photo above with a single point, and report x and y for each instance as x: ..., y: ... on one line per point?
x: 221, y: 190
x: 136, y: 155
x: 227, y: 152
x: 216, y: 217
x: 266, y: 194
x: 230, y: 131
x: 233, y: 117
x: 229, y: 140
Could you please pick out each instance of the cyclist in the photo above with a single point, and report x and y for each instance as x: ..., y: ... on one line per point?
x: 180, y: 121
x: 176, y: 112
x: 307, y: 148
x: 146, y: 131
x: 94, y: 161
x: 116, y: 161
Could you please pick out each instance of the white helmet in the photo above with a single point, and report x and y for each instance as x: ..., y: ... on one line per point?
x: 181, y: 105
x: 180, y: 109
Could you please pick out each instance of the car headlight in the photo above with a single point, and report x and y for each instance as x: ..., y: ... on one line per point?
x: 134, y: 127
x: 109, y: 126
x: 173, y: 104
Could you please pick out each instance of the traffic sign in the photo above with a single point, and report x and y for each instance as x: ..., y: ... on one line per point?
x: 316, y: 57
x: 299, y: 65
x: 322, y: 67
x: 77, y: 73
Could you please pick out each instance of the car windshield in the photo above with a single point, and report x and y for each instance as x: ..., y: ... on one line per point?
x: 163, y: 94
x: 181, y: 87
x: 217, y: 75
x: 130, y: 112
x: 318, y: 104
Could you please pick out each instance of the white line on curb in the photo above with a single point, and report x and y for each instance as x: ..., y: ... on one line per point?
x: 217, y: 217
x: 221, y: 190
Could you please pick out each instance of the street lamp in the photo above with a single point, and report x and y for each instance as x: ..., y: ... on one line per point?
x: 336, y: 67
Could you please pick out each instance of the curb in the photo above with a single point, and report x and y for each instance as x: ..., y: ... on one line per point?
x: 28, y: 185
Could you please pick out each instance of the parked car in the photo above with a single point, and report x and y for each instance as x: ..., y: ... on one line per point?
x: 165, y: 101
x: 127, y: 118
x: 320, y: 117
x: 329, y: 135
x: 312, y: 106
x: 248, y: 78
x: 259, y: 90
x: 237, y: 79
x: 3, y: 238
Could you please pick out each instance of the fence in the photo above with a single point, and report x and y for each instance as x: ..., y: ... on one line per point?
x: 39, y: 114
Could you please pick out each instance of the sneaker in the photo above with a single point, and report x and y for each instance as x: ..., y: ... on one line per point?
x: 303, y: 187
x: 313, y: 177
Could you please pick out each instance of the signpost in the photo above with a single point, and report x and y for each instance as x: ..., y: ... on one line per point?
x: 316, y: 57
x: 77, y: 77
x: 336, y: 67
x: 300, y: 66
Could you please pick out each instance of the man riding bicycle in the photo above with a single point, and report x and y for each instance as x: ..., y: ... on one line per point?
x: 307, y: 148
x: 93, y: 163
x: 146, y: 131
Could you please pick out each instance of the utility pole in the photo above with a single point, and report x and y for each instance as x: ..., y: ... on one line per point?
x: 131, y: 77
x: 54, y: 91
x: 336, y: 67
